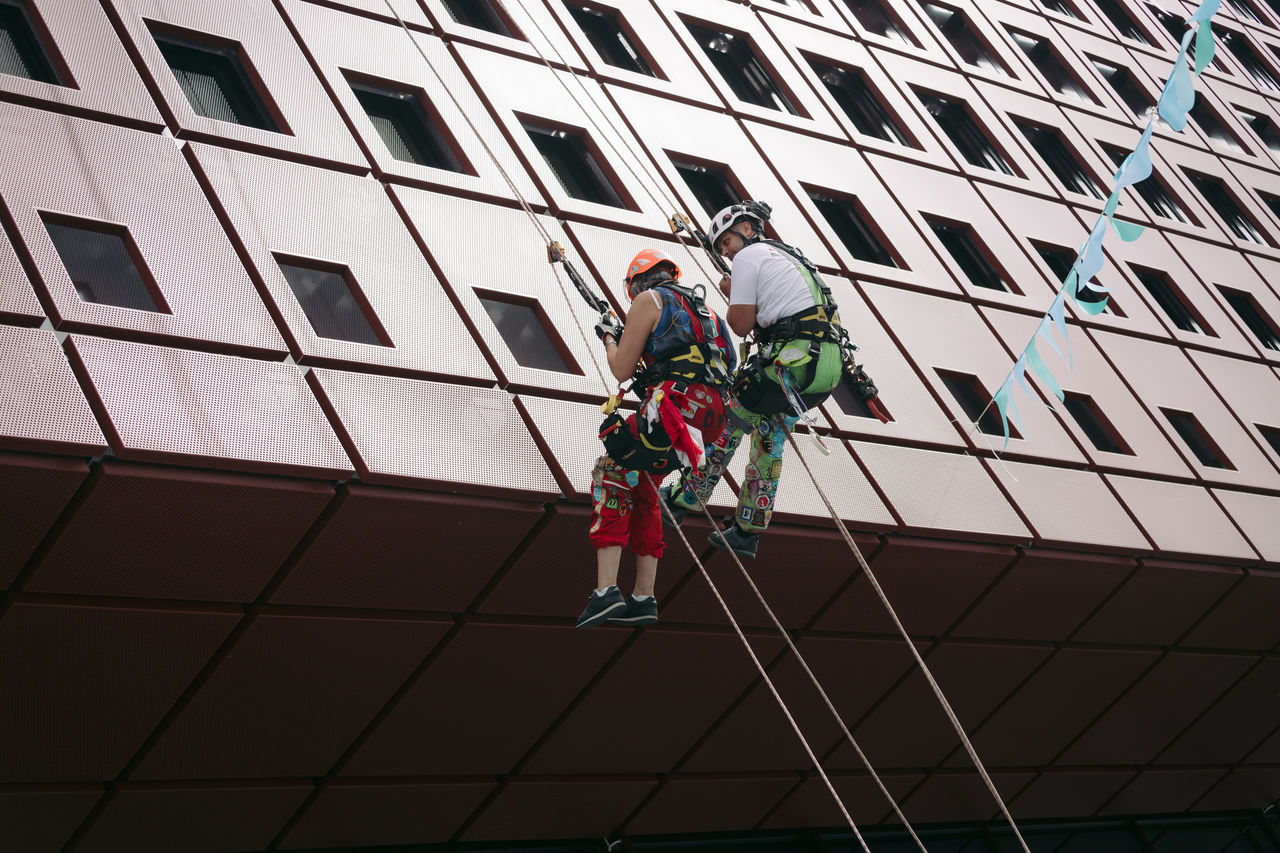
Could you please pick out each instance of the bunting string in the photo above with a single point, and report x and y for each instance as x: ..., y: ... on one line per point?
x: 1176, y: 99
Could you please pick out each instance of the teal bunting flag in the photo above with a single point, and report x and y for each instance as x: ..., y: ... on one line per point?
x: 1176, y: 99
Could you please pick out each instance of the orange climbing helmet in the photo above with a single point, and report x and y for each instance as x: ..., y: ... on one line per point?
x: 648, y: 268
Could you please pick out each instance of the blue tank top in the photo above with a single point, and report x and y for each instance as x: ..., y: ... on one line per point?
x: 675, y: 331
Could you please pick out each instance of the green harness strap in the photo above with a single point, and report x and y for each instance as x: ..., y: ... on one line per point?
x: 798, y: 354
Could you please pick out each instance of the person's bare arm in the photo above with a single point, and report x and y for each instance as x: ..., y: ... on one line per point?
x: 741, y: 318
x: 641, y: 321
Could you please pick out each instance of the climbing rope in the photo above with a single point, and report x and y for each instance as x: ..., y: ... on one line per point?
x: 937, y: 690
x: 786, y: 635
x: 765, y: 676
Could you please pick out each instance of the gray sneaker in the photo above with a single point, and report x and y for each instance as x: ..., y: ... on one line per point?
x: 637, y: 612
x: 600, y: 607
x: 734, y: 537
x: 677, y: 512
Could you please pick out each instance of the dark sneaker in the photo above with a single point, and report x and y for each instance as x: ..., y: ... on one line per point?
x: 600, y: 607
x: 677, y: 512
x: 637, y: 612
x: 740, y: 541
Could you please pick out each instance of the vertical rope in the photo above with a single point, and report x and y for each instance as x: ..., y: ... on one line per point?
x: 937, y: 691
x: 760, y: 668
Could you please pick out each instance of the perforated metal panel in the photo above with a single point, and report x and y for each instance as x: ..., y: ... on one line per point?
x: 542, y: 96
x: 411, y: 432
x: 1256, y: 515
x: 834, y: 169
x: 16, y: 295
x: 94, y: 171
x: 916, y: 414
x: 312, y: 127
x: 838, y: 476
x: 344, y: 44
x: 673, y: 129
x: 1182, y: 519
x: 41, y: 405
x: 1065, y: 505
x: 949, y: 335
x: 103, y: 80
x: 460, y: 234
x: 1091, y: 374
x: 1163, y: 377
x: 538, y: 34
x: 176, y: 405
x: 309, y: 213
x: 940, y: 491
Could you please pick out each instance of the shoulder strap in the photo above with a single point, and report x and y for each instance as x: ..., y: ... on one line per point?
x: 817, y: 287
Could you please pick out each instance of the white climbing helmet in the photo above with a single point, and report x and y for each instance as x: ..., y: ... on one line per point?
x: 727, y: 218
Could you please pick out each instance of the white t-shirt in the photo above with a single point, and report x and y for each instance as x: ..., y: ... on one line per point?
x: 771, y: 281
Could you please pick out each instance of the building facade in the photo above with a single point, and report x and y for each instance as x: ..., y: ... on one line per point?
x: 297, y: 420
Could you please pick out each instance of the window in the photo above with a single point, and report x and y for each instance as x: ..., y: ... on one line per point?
x: 851, y: 403
x: 969, y: 254
x: 217, y: 79
x: 1061, y: 7
x: 1121, y: 19
x: 1166, y: 295
x: 1193, y: 434
x: 713, y: 186
x: 104, y: 263
x: 1262, y: 126
x: 1244, y: 9
x: 1239, y: 47
x: 1050, y: 65
x: 748, y: 78
x: 956, y: 122
x: 21, y: 51
x: 874, y: 17
x: 859, y: 101
x: 611, y: 39
x: 1054, y: 152
x: 1221, y: 200
x: 573, y: 163
x: 1121, y: 79
x: 957, y: 30
x: 1060, y: 260
x: 409, y: 131
x: 1271, y: 201
x: 1152, y: 190
x: 1094, y: 424
x: 975, y: 402
x: 849, y: 221
x: 528, y: 332
x: 1243, y: 303
x: 483, y: 15
x: 1208, y: 120
x: 1272, y: 435
x: 335, y: 305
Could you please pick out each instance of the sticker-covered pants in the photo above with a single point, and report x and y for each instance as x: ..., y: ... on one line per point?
x: 624, y: 509
x: 759, y: 481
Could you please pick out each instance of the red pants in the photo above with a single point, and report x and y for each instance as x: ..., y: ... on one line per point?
x: 625, y: 508
x: 623, y: 514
